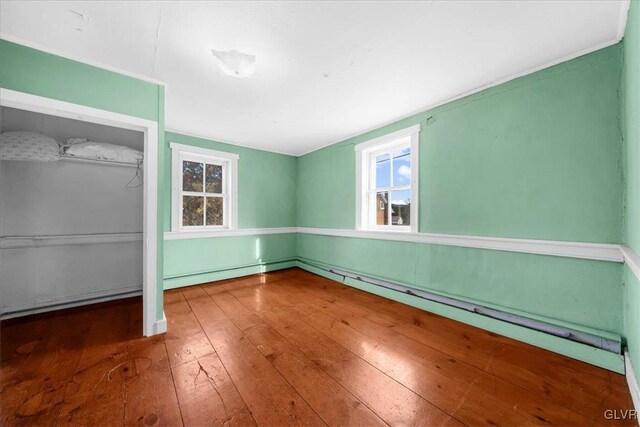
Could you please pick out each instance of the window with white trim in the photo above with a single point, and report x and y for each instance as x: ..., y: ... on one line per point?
x: 204, y: 189
x: 387, y: 182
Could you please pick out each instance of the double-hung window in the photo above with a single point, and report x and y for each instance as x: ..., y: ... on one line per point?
x: 204, y: 189
x: 387, y: 182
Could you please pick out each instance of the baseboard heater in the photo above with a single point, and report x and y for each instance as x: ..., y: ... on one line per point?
x: 611, y: 345
x: 59, y: 305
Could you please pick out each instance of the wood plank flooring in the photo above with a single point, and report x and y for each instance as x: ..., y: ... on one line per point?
x: 287, y: 348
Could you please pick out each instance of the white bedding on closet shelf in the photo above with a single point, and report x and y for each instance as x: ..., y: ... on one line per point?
x: 104, y: 151
x: 28, y: 146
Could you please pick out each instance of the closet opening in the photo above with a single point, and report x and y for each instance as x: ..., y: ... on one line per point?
x: 74, y: 211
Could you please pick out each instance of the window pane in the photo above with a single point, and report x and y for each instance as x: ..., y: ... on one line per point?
x: 214, y: 210
x: 383, y: 172
x: 214, y: 179
x: 401, y: 207
x: 192, y: 210
x: 192, y: 176
x: 382, y: 206
x: 402, y: 167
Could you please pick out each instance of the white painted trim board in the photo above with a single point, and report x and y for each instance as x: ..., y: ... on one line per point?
x: 160, y: 326
x: 594, y: 251
x: 632, y: 382
x: 581, y: 250
x: 389, y: 138
x: 631, y: 259
x: 179, y: 235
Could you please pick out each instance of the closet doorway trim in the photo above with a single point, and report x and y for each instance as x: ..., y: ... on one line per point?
x: 39, y: 104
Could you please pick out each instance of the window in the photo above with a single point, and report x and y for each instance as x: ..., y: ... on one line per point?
x: 387, y: 182
x: 204, y: 189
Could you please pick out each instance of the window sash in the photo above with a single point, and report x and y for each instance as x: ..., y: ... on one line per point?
x: 205, y: 160
x: 228, y: 193
x: 365, y: 184
x: 372, y: 189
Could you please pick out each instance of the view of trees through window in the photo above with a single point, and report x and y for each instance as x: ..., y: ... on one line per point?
x: 202, y: 195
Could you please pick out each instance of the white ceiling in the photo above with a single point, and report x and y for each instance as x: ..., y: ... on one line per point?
x: 326, y: 70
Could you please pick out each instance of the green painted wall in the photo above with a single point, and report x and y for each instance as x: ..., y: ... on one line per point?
x: 32, y: 71
x: 605, y: 359
x: 266, y: 183
x: 539, y: 157
x: 191, y: 261
x: 582, y: 294
x: 630, y: 100
x: 266, y: 199
x: 632, y: 317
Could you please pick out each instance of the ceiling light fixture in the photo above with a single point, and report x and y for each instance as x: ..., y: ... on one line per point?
x: 234, y: 63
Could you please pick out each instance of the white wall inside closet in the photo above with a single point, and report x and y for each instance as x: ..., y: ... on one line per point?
x: 70, y: 231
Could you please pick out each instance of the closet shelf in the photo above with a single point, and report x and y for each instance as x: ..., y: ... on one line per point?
x: 75, y: 159
x: 20, y: 242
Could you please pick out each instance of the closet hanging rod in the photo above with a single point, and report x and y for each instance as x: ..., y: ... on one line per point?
x: 75, y: 159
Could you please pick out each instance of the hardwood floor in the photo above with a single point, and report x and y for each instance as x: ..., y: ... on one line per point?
x: 287, y: 348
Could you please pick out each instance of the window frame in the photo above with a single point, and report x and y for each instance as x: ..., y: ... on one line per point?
x: 366, y: 206
x: 229, y: 194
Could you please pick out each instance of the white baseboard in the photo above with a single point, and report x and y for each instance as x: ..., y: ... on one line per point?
x: 160, y: 326
x: 632, y: 381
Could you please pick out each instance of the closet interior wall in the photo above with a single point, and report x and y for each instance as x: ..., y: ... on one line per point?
x: 70, y: 231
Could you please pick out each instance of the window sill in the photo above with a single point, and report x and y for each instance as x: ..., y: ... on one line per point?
x: 225, y: 232
x: 196, y: 234
x: 408, y: 230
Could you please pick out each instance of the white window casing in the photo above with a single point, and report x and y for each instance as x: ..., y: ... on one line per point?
x: 366, y: 205
x: 229, y: 163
